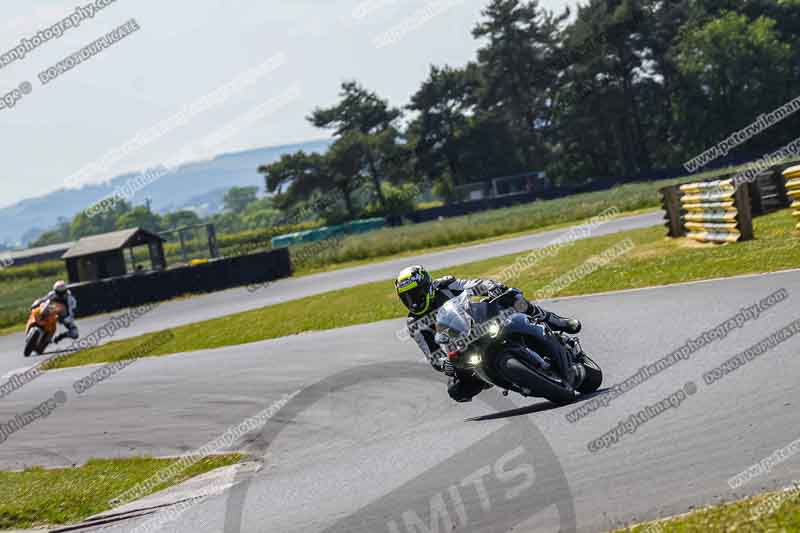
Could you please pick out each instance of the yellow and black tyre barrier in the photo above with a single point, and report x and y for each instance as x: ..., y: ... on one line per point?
x: 792, y: 175
x: 711, y: 213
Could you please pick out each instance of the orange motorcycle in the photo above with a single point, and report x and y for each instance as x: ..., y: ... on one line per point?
x: 42, y: 326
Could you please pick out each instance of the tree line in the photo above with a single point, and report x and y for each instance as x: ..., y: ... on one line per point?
x: 617, y: 88
x: 242, y: 210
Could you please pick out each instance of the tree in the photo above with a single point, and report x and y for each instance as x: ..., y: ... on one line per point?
x: 490, y: 148
x: 663, y: 23
x: 519, y: 69
x: 622, y: 88
x: 294, y: 178
x: 180, y: 218
x: 735, y: 68
x: 260, y: 219
x: 358, y: 110
x: 368, y: 122
x: 400, y: 200
x: 140, y: 217
x: 290, y: 170
x: 608, y: 84
x: 343, y: 169
x: 260, y: 214
x: 103, y: 222
x: 59, y: 234
x: 227, y: 222
x: 444, y: 104
x: 386, y: 157
x: 237, y: 199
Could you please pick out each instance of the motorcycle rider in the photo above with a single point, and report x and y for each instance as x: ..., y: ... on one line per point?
x: 60, y: 294
x: 423, y: 296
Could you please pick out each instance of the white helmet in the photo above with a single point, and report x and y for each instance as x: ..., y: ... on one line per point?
x: 60, y: 287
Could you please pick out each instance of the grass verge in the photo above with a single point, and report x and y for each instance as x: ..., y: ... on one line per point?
x: 306, y: 269
x: 421, y: 238
x: 652, y: 260
x: 42, y: 497
x: 17, y: 327
x: 769, y: 512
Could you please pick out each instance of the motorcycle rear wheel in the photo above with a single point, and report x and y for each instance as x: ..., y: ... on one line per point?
x: 539, y: 385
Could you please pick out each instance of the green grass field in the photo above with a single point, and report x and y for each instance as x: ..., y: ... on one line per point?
x: 653, y: 260
x: 16, y: 297
x: 771, y: 512
x: 38, y: 497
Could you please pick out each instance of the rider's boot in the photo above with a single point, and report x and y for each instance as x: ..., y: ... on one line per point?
x: 558, y: 323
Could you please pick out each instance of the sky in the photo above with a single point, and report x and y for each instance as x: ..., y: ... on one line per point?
x: 192, y: 79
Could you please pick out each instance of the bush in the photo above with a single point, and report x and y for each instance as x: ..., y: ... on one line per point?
x: 400, y: 200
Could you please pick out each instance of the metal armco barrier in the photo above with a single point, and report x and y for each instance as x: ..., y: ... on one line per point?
x: 792, y: 175
x: 715, y: 206
x: 716, y: 211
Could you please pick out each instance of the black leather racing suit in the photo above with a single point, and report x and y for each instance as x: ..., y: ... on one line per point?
x: 463, y: 385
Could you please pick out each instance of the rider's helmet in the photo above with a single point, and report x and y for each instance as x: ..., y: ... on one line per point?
x: 60, y: 288
x: 415, y: 289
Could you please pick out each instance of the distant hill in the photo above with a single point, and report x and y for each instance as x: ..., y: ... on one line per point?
x: 207, y: 203
x: 195, y: 184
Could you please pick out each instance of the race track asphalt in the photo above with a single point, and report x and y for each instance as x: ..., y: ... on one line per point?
x: 372, y: 442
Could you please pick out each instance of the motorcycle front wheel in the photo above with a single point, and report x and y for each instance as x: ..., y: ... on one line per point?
x: 32, y: 340
x: 594, y: 376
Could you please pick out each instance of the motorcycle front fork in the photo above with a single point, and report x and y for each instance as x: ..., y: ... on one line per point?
x: 576, y: 359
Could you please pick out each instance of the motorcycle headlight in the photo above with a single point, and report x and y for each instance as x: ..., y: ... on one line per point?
x: 494, y: 329
x: 475, y: 359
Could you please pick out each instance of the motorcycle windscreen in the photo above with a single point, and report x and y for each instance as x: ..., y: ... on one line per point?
x: 482, y: 312
x: 453, y: 318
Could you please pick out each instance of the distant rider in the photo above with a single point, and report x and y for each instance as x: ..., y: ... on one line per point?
x: 60, y: 294
x: 423, y: 296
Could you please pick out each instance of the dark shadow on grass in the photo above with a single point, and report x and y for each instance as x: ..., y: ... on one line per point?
x: 533, y: 408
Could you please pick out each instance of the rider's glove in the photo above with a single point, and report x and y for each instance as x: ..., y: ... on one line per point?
x: 490, y: 288
x: 521, y: 305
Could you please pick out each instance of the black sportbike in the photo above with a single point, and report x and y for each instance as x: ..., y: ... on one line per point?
x: 512, y: 351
